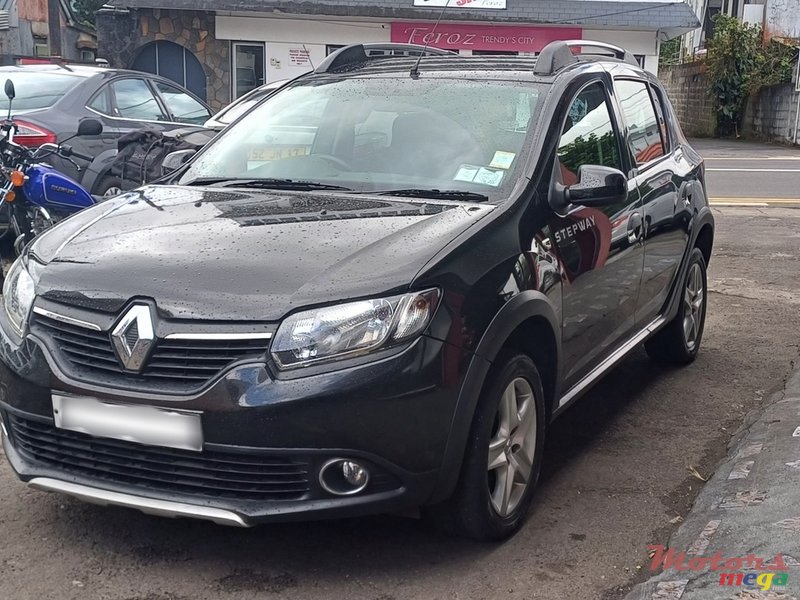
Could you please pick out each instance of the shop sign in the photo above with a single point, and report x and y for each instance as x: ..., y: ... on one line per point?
x: 456, y: 36
x: 299, y: 57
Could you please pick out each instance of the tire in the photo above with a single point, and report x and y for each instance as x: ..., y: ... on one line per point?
x: 480, y: 508
x: 108, y: 187
x: 679, y: 341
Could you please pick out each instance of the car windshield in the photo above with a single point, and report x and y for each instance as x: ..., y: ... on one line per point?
x: 381, y: 135
x: 236, y: 110
x: 37, y: 89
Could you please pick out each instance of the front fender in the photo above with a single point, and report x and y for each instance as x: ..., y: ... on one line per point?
x: 520, y: 308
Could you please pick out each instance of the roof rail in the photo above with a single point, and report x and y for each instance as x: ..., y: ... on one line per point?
x: 557, y: 55
x: 360, y: 53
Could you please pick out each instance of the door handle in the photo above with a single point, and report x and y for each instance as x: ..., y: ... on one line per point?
x: 635, y: 229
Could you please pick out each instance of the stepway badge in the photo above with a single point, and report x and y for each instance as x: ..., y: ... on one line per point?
x: 494, y: 4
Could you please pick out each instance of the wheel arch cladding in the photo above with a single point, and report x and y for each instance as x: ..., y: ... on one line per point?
x: 527, y: 323
x: 705, y: 241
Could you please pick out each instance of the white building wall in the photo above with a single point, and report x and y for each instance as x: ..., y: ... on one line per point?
x: 286, y: 38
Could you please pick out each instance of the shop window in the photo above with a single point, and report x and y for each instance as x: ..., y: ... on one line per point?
x: 174, y: 62
x: 40, y: 47
x: 248, y: 67
x: 331, y: 48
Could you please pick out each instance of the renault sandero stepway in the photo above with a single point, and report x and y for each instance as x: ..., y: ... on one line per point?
x: 372, y: 292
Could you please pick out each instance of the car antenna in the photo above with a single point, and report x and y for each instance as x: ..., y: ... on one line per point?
x: 415, y: 68
x: 308, y: 55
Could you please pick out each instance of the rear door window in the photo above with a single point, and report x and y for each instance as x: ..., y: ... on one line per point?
x: 135, y: 100
x: 644, y: 127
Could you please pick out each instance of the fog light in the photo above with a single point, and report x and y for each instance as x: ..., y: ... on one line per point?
x: 343, y: 477
x: 354, y: 473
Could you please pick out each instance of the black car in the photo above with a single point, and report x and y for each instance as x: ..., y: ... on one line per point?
x: 373, y: 292
x: 52, y: 99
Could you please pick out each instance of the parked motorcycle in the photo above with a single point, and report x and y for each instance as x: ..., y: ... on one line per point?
x: 38, y: 196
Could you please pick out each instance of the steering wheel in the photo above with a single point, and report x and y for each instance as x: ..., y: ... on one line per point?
x: 334, y: 160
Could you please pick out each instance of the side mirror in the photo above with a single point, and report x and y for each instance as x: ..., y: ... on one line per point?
x: 9, y: 89
x: 175, y: 160
x: 89, y: 127
x: 598, y: 186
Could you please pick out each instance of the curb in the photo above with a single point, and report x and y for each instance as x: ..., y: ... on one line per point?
x: 748, y: 510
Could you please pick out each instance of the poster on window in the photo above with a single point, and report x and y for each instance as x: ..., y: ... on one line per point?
x: 298, y: 57
x: 494, y: 4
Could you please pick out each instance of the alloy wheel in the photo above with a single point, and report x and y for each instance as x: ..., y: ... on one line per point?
x: 693, y: 299
x: 112, y: 192
x: 512, y: 447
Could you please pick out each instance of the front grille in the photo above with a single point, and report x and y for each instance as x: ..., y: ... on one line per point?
x: 173, y: 363
x: 209, y: 474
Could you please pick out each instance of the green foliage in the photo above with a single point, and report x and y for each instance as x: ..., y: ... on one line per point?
x: 594, y: 150
x: 739, y: 64
x: 670, y: 53
x: 85, y: 10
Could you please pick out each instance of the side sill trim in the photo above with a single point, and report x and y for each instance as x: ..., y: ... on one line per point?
x: 151, y: 506
x: 601, y: 369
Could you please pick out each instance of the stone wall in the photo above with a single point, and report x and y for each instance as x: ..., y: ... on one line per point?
x: 686, y: 86
x: 772, y: 113
x: 121, y: 33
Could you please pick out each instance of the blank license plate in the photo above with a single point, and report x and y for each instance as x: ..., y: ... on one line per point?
x: 141, y: 424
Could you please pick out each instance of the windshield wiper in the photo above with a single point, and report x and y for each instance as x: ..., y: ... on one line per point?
x: 300, y: 185
x: 435, y: 194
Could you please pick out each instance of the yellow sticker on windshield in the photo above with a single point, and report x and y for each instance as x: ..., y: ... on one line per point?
x: 502, y: 160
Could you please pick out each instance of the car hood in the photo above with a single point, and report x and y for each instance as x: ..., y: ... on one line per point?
x: 210, y: 253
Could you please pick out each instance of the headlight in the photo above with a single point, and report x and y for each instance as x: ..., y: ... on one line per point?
x: 351, y: 329
x: 18, y: 295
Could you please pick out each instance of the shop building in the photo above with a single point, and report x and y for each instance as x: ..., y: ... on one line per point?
x: 220, y: 49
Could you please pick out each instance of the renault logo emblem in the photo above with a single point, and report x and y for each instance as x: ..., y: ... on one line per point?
x: 133, y: 337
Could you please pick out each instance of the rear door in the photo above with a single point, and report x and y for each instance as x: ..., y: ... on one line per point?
x: 598, y: 248
x: 660, y: 173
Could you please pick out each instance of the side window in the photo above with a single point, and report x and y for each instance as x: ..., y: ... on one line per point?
x: 102, y: 102
x: 661, y: 103
x: 589, y: 137
x: 644, y: 127
x: 182, y: 106
x: 136, y: 101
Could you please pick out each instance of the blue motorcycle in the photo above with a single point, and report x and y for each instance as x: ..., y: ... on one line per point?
x: 34, y: 195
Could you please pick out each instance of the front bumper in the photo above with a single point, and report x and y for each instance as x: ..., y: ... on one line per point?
x: 393, y: 415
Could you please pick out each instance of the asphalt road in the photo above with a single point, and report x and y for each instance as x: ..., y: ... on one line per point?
x: 742, y: 173
x: 616, y: 477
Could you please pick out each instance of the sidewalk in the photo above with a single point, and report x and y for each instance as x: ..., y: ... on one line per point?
x: 750, y: 510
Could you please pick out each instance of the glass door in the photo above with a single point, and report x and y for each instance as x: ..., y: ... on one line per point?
x: 248, y: 67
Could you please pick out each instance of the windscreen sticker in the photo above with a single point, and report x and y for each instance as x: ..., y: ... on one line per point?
x: 502, y: 160
x: 466, y: 173
x: 489, y: 177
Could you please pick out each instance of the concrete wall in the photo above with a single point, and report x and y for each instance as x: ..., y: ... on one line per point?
x: 782, y: 18
x: 687, y: 90
x: 772, y: 113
